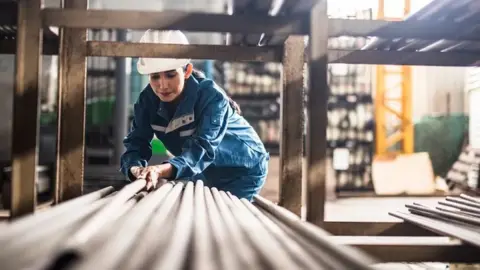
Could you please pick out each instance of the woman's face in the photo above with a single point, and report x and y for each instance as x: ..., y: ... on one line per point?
x: 168, y: 85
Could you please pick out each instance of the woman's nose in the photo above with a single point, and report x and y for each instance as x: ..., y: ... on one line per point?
x: 161, y: 83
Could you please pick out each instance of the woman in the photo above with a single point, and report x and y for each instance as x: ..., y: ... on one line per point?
x: 197, y: 123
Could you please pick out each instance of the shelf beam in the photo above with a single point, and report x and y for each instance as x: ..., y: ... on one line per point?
x: 178, y: 20
x: 404, y: 58
x: 251, y: 24
x: 424, y: 29
x: 220, y: 52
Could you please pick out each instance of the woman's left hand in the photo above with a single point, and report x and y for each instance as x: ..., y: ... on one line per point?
x: 156, y: 173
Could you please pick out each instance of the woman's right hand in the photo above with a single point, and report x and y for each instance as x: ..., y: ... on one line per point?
x: 137, y: 171
x: 150, y: 174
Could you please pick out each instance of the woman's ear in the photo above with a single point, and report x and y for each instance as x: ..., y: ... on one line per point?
x: 188, y: 71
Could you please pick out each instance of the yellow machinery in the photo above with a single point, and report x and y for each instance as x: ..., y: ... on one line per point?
x: 393, y: 101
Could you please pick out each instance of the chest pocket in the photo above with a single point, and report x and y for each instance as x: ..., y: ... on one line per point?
x: 180, y: 122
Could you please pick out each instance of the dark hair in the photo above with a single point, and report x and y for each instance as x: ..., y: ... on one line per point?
x: 197, y: 74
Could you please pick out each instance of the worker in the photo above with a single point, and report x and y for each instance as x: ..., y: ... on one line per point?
x: 197, y: 122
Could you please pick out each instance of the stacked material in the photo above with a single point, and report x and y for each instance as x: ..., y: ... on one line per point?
x: 438, y: 11
x: 176, y: 226
x: 463, y: 175
x: 350, y: 116
x: 457, y: 217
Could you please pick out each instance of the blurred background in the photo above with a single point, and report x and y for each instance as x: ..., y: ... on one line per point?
x: 439, y: 103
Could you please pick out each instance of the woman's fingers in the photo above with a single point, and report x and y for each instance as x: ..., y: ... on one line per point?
x: 152, y: 179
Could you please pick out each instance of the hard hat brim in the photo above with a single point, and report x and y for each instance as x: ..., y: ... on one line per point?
x: 146, y: 66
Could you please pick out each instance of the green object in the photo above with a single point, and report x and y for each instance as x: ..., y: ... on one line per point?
x: 442, y: 137
x: 100, y: 111
x: 158, y: 148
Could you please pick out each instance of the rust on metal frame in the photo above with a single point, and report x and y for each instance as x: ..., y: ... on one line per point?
x: 292, y: 122
x: 71, y: 109
x: 316, y: 142
x: 26, y: 108
x: 221, y: 52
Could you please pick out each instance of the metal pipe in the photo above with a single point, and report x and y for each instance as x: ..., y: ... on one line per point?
x: 175, y: 256
x: 296, y: 251
x: 321, y: 257
x: 104, y: 234
x: 226, y: 256
x: 459, y: 231
x: 151, y: 240
x: 38, y: 219
x: 178, y: 226
x: 84, y: 234
x: 273, y: 256
x: 459, y: 212
x: 246, y: 257
x: 449, y: 216
x: 470, y: 198
x: 126, y: 234
x: 461, y: 207
x: 122, y: 100
x: 351, y: 257
x: 53, y: 234
x: 75, y: 244
x: 463, y: 201
x: 202, y: 234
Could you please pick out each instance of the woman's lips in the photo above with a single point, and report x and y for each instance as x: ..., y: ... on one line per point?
x: 165, y: 94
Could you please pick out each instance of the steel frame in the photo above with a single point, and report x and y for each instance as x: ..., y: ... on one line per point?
x: 31, y: 19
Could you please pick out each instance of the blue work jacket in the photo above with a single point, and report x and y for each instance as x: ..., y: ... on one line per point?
x: 206, y: 136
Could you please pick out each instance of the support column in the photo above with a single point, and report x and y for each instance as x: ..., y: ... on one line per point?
x: 317, y: 114
x: 26, y: 108
x: 71, y: 108
x: 292, y: 123
x: 122, y: 97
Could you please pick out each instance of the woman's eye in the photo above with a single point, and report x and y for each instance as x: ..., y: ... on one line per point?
x: 155, y: 76
x: 171, y: 75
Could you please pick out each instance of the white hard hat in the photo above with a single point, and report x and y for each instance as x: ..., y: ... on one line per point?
x: 147, y: 66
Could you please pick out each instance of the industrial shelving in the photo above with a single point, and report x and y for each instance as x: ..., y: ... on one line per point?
x: 285, y: 43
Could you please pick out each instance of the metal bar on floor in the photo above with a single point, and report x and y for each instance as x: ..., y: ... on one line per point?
x: 26, y: 109
x: 292, y: 122
x: 317, y: 114
x: 71, y: 108
x: 463, y: 232
x: 463, y: 201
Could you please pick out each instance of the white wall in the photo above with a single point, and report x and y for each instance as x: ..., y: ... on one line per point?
x: 431, y: 86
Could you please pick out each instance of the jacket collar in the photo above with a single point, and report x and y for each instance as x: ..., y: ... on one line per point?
x: 186, y: 105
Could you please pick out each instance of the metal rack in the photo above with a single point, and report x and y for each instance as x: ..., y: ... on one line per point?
x: 74, y: 48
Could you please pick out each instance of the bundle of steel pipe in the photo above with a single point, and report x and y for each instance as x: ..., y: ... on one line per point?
x: 176, y: 226
x: 457, y: 217
x: 464, y: 12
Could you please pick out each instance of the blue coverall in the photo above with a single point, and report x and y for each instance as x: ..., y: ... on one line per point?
x: 209, y: 140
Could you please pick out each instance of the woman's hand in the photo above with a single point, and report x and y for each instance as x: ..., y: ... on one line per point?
x: 153, y: 174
